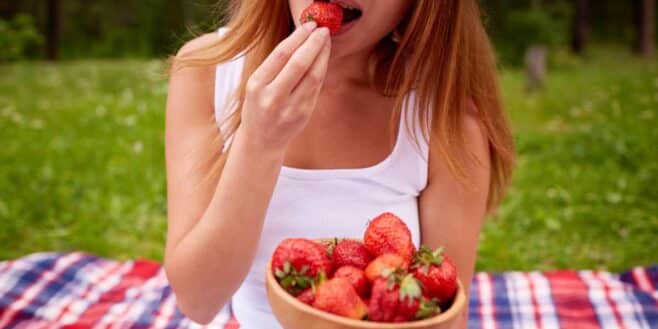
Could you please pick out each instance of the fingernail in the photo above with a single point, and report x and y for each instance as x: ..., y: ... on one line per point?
x: 310, y: 25
x: 324, y: 31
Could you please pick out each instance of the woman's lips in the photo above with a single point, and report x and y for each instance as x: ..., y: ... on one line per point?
x: 347, y: 4
x: 346, y: 27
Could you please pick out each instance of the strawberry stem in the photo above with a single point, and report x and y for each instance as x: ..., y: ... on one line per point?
x: 294, y: 281
x: 428, y: 308
x: 409, y: 288
x: 425, y: 257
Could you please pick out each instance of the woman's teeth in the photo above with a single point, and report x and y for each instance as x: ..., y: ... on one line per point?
x: 351, y: 14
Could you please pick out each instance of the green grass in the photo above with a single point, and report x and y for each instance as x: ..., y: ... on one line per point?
x: 586, y: 189
x: 82, y: 164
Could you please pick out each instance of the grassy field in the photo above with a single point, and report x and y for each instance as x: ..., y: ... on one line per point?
x: 81, y: 166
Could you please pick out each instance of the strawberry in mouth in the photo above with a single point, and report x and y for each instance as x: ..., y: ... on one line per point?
x: 332, y: 14
x: 350, y: 12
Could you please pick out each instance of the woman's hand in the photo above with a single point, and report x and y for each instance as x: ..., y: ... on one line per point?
x: 282, y: 93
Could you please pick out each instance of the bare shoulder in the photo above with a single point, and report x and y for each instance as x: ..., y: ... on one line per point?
x: 475, y: 144
x: 191, y: 88
x: 471, y: 121
x: 200, y: 42
x: 198, y: 73
x: 196, y: 44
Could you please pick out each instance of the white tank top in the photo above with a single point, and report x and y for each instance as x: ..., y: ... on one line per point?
x: 321, y: 203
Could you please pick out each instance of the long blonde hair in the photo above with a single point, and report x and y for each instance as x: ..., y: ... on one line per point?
x: 443, y: 53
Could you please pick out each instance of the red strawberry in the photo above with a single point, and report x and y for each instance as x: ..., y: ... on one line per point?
x: 326, y: 14
x: 337, y: 296
x: 350, y: 252
x: 389, y: 234
x: 399, y: 299
x: 307, y: 296
x: 417, y: 309
x: 356, y: 277
x: 296, y: 263
x: 437, y: 274
x: 385, y: 265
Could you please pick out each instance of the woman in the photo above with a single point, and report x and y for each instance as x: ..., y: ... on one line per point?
x: 400, y: 111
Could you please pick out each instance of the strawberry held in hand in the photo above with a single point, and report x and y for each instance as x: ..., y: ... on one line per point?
x: 326, y: 14
x: 389, y: 234
x: 436, y: 273
x: 297, y: 263
x: 338, y: 296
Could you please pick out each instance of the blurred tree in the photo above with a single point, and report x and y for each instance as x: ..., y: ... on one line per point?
x: 145, y: 28
x: 580, y: 27
x: 531, y: 27
x: 117, y: 28
x: 52, y: 30
x: 645, y: 25
x: 611, y: 21
x: 18, y: 38
x: 8, y: 9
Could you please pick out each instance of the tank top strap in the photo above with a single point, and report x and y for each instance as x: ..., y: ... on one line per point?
x: 227, y: 81
x: 419, y: 146
x: 408, y: 170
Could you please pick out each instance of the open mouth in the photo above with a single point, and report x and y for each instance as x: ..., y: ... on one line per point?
x: 351, y: 14
x: 351, y: 11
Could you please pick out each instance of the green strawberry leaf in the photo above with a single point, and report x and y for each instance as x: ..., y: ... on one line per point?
x: 287, y: 282
x: 425, y: 257
x: 437, y: 256
x: 318, y: 280
x: 428, y: 309
x: 409, y: 288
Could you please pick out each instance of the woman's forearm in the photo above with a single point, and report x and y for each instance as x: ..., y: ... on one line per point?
x: 211, y: 260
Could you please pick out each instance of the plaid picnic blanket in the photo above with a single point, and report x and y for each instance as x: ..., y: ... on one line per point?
x: 79, y: 290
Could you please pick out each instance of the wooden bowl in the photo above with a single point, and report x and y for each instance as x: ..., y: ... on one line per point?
x: 293, y: 314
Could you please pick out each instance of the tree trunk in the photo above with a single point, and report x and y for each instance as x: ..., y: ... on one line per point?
x: 580, y: 27
x: 535, y: 67
x: 187, y: 8
x: 645, y: 24
x: 52, y: 30
x: 9, y: 9
x: 535, y: 4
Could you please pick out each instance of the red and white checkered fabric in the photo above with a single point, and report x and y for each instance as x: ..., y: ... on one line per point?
x: 79, y: 290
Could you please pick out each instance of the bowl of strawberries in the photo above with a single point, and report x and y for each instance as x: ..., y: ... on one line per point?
x: 381, y: 281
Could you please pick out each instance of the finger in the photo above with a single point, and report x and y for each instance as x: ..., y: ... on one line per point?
x: 300, y: 62
x: 281, y: 54
x: 310, y: 85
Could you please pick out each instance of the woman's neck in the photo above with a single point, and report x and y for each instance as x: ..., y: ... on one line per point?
x: 347, y: 73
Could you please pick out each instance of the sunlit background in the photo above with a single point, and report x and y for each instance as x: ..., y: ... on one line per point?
x: 82, y: 95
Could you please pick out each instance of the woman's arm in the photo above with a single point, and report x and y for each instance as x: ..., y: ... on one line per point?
x: 214, y: 227
x: 206, y: 255
x: 451, y: 213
